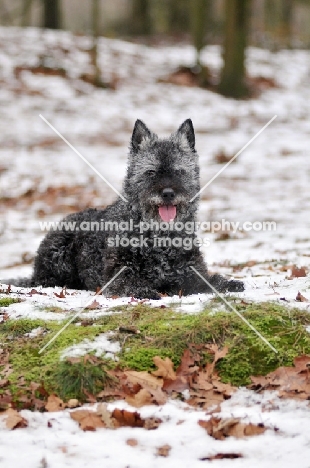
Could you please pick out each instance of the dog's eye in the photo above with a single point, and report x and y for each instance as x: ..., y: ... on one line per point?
x: 150, y: 173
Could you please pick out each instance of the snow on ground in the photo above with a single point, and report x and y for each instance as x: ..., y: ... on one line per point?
x: 62, y: 443
x: 42, y: 179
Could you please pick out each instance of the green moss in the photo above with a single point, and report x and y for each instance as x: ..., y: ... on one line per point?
x: 16, y: 328
x: 54, y: 309
x: 160, y: 331
x: 7, y: 301
x: 166, y: 333
x: 142, y: 359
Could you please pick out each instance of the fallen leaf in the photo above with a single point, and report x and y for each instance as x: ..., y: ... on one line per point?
x: 218, y: 354
x: 148, y: 382
x: 205, y: 399
x: 165, y: 368
x: 88, y: 420
x: 62, y: 293
x: 184, y: 374
x: 301, y: 298
x: 151, y: 423
x: 132, y: 442
x: 34, y: 291
x: 298, y: 272
x: 144, y: 379
x: 221, y: 456
x: 231, y: 427
x: 254, y: 429
x: 127, y: 418
x: 291, y: 382
x: 54, y: 404
x: 142, y: 398
x: 94, y: 305
x: 106, y: 416
x: 163, y: 451
x: 14, y: 420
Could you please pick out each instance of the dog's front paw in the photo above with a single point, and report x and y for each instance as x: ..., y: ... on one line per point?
x: 235, y: 286
x: 146, y: 293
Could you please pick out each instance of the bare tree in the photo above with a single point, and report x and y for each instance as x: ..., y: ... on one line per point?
x: 198, y: 15
x: 26, y: 12
x: 140, y: 17
x: 51, y: 14
x: 233, y: 73
x: 287, y: 19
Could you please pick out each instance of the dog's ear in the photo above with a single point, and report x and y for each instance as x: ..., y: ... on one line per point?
x: 187, y: 130
x: 140, y: 133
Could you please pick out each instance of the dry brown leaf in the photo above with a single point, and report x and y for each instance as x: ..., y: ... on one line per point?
x: 221, y: 456
x: 254, y: 429
x: 226, y: 389
x: 218, y: 354
x: 302, y: 363
x: 54, y: 404
x: 88, y: 420
x: 142, y: 398
x: 301, y: 298
x: 232, y: 427
x: 132, y: 442
x: 152, y: 423
x: 106, y: 416
x: 127, y: 418
x: 293, y: 382
x: 163, y: 451
x: 144, y: 379
x: 150, y: 383
x: 94, y: 305
x: 179, y: 385
x: 165, y: 368
x: 184, y: 374
x: 34, y: 291
x: 298, y: 272
x: 202, y: 382
x: 62, y: 293
x: 14, y: 420
x: 205, y: 399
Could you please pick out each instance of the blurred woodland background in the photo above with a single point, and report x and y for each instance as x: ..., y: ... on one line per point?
x: 271, y: 24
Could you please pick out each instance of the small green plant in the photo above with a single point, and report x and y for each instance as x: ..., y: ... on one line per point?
x: 7, y: 301
x: 75, y: 378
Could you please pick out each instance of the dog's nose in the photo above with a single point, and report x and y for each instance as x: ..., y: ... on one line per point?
x: 168, y: 195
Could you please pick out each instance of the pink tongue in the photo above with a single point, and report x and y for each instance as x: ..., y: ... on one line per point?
x: 167, y: 212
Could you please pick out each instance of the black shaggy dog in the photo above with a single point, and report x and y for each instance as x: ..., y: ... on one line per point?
x: 149, y: 230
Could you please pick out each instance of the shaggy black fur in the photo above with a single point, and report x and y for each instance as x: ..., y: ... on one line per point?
x: 162, y: 174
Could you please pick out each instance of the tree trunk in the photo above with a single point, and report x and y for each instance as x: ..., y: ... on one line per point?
x: 95, y: 31
x: 287, y: 18
x: 51, y: 14
x: 233, y: 73
x: 198, y: 15
x: 26, y: 13
x: 140, y: 17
